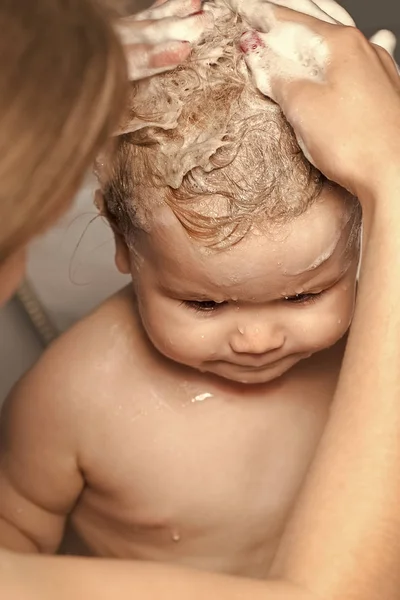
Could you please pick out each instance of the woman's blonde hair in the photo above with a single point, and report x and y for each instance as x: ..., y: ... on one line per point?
x: 62, y: 84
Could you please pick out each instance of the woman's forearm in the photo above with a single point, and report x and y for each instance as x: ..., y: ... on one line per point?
x: 25, y: 577
x: 344, y: 538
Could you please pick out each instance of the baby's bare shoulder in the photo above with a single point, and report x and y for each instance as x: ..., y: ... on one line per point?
x: 102, y: 338
x: 91, y: 356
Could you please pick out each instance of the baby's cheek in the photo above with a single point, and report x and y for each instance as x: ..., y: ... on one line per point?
x: 337, y: 317
x: 184, y: 343
x: 176, y: 333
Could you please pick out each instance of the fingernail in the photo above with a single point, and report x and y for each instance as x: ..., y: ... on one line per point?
x: 250, y: 41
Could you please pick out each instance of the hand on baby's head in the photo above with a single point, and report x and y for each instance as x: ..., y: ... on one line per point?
x: 204, y: 133
x: 308, y: 62
x: 158, y: 39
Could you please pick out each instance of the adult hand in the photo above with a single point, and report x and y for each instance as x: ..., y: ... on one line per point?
x: 339, y: 91
x: 331, y: 12
x: 159, y: 38
x: 325, y: 10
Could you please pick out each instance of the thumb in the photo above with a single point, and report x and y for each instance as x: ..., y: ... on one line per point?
x: 386, y: 40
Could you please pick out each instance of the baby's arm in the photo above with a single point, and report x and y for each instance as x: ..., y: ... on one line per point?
x: 39, y: 477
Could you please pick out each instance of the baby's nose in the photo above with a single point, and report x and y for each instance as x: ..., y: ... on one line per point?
x: 257, y: 339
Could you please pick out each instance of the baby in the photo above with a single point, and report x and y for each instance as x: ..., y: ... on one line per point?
x: 177, y: 422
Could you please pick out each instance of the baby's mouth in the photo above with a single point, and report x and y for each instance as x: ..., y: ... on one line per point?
x: 253, y: 367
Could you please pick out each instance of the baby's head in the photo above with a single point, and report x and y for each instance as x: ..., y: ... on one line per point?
x: 243, y: 257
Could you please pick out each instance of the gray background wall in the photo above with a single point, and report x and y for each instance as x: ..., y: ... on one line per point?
x: 371, y: 15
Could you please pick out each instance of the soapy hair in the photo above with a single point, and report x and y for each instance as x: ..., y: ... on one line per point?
x: 62, y: 89
x: 204, y: 141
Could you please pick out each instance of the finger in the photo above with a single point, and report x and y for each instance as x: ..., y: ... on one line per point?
x: 312, y: 8
x: 257, y: 59
x: 145, y: 60
x: 188, y: 29
x: 336, y: 11
x: 284, y: 55
x: 170, y: 8
x: 271, y: 79
x: 389, y: 65
x: 262, y: 15
x: 385, y: 39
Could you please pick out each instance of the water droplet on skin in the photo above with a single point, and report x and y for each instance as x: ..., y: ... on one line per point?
x: 241, y: 330
x: 339, y: 321
x: 175, y: 536
x: 202, y: 397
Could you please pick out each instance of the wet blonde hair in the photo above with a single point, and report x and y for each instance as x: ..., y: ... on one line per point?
x: 62, y: 85
x: 203, y: 140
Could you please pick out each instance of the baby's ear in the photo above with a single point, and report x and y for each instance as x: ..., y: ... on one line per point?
x: 122, y: 256
x: 99, y: 203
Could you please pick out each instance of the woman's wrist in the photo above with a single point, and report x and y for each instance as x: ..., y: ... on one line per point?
x: 380, y: 199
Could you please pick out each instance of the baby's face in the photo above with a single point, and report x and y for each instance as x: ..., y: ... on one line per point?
x: 250, y: 312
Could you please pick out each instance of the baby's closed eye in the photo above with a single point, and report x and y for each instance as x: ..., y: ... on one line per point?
x: 304, y: 298
x: 203, y: 305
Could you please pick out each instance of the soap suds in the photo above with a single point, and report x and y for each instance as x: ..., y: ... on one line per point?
x: 324, y: 256
x: 171, y: 8
x: 290, y: 51
x: 261, y: 16
x: 189, y: 29
x: 203, y: 141
x: 199, y: 144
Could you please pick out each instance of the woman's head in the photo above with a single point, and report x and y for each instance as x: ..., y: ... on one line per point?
x: 62, y: 77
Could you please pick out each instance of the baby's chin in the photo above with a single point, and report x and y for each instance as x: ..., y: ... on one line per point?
x: 254, y: 376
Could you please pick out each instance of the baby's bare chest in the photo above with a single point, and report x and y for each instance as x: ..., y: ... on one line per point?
x: 199, y: 478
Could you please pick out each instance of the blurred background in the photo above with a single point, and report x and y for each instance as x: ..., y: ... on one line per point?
x: 71, y: 268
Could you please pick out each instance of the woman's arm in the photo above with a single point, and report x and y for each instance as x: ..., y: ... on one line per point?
x: 24, y: 577
x: 344, y: 538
